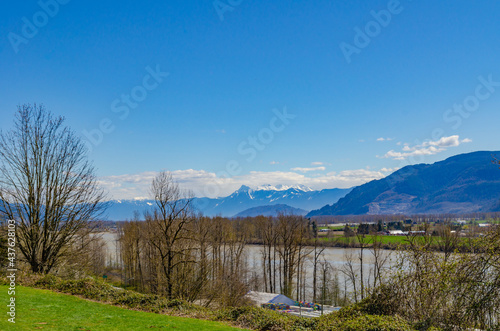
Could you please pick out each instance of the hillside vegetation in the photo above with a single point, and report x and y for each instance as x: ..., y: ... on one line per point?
x: 46, y: 310
x: 463, y: 183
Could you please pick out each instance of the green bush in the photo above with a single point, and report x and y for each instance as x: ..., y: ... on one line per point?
x: 359, y: 322
x: 261, y: 319
x: 376, y: 323
x: 134, y: 300
x: 265, y: 319
x: 96, y: 289
x: 88, y: 288
x: 175, y: 303
x: 381, y: 302
x: 362, y: 316
x: 230, y: 314
x: 47, y: 281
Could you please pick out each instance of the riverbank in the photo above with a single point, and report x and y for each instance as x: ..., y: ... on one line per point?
x: 385, y: 242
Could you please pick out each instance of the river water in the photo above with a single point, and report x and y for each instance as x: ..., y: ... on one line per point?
x: 335, y: 257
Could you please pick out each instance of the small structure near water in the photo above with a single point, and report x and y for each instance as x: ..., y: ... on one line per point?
x: 284, y: 304
x: 261, y: 298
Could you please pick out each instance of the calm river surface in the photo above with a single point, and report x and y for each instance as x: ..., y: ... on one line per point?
x: 336, y: 257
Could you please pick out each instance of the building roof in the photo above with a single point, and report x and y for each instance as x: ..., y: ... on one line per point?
x: 264, y: 297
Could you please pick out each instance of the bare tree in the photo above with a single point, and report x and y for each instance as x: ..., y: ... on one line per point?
x: 168, y: 225
x: 363, y: 244
x: 291, y: 239
x: 317, y: 254
x: 350, y: 273
x: 380, y: 259
x: 448, y: 241
x: 267, y: 228
x: 46, y: 184
x: 131, y: 240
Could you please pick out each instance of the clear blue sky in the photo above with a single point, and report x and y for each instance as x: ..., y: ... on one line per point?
x: 230, y: 63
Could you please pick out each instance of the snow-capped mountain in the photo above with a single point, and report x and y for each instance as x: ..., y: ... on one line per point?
x: 283, y: 188
x: 296, y: 196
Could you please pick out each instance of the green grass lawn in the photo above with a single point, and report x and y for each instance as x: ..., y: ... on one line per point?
x: 390, y: 239
x: 369, y: 239
x: 46, y: 310
x: 394, y: 240
x: 333, y: 227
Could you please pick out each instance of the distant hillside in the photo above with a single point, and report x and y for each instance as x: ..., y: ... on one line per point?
x: 296, y: 196
x: 271, y: 210
x: 121, y: 210
x: 460, y: 184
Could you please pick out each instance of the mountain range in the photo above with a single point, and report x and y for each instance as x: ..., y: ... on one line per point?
x: 271, y: 210
x: 464, y: 183
x: 294, y: 197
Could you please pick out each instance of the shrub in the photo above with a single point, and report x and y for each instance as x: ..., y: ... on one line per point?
x: 47, y: 281
x: 88, y: 288
x: 376, y: 323
x: 381, y: 302
x: 360, y: 316
x: 264, y: 319
x: 353, y: 320
x: 175, y: 303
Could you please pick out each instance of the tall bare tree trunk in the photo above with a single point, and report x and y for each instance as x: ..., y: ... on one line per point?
x: 47, y: 185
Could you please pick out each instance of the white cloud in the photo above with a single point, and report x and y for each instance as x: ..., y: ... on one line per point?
x: 308, y: 169
x: 317, y: 163
x: 138, y: 185
x: 274, y: 162
x: 384, y: 139
x: 390, y: 170
x: 204, y: 183
x: 427, y: 148
x: 342, y: 179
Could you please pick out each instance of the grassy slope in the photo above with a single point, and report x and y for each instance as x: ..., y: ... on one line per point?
x: 45, y: 310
